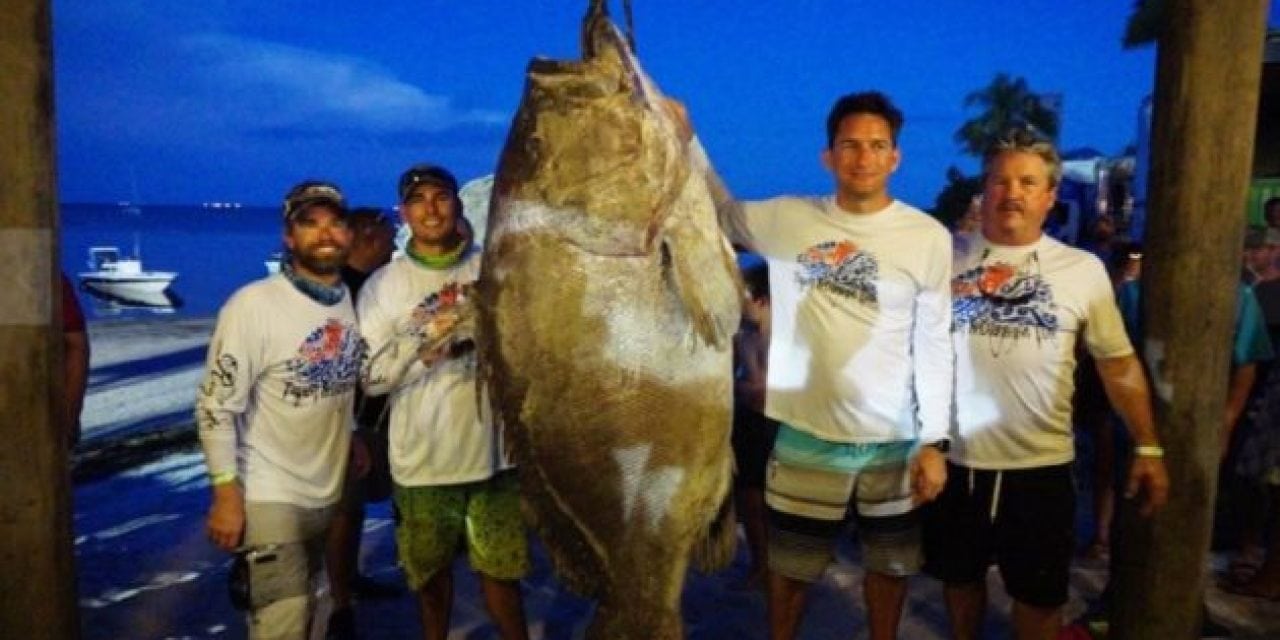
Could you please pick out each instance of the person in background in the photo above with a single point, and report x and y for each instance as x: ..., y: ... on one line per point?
x: 1255, y: 571
x: 274, y: 414
x: 372, y: 243
x: 753, y: 431
x: 1261, y: 249
x: 75, y: 351
x: 1271, y: 213
x: 454, y: 485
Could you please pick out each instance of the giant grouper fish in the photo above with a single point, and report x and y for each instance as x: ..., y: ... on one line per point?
x: 606, y: 308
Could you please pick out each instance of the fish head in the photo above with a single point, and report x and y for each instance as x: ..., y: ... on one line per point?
x: 594, y: 149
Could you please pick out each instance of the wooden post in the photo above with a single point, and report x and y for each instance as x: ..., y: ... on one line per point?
x: 37, y: 573
x: 1208, y: 67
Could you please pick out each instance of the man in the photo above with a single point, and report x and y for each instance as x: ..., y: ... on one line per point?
x: 372, y: 242
x: 859, y: 371
x: 274, y: 413
x: 452, y: 482
x: 1021, y: 299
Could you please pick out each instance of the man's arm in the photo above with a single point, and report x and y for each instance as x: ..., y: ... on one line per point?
x: 223, y: 396
x: 1242, y: 379
x: 729, y: 212
x: 1130, y: 395
x: 398, y: 356
x: 934, y: 369
x: 76, y: 350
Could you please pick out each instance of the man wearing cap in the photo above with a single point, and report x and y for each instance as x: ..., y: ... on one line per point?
x: 274, y: 413
x: 453, y: 484
x: 1021, y: 300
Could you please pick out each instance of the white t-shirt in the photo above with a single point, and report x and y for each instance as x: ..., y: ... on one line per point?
x: 1018, y: 314
x: 861, y: 307
x: 437, y: 433
x: 276, y: 401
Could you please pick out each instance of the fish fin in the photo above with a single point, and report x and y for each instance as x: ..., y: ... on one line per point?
x: 715, y: 548
x: 714, y: 311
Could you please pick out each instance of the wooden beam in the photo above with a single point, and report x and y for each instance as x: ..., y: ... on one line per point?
x: 1208, y: 65
x: 37, y: 573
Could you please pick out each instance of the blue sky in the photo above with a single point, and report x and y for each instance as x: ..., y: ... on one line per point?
x: 234, y: 100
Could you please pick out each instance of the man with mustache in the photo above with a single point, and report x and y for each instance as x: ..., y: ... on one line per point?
x: 275, y: 414
x: 1020, y: 300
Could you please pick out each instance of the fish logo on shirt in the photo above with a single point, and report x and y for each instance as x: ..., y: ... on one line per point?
x: 327, y: 362
x: 430, y: 317
x: 999, y: 300
x: 841, y: 268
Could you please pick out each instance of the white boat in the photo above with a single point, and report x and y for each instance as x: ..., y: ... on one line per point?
x: 123, y: 277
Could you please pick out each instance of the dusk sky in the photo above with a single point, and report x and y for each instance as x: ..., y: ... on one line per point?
x: 234, y: 100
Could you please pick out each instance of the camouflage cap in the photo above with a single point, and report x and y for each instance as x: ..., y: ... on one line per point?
x: 309, y: 193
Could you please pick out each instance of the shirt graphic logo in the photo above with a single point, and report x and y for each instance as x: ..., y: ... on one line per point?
x: 1001, y: 301
x: 841, y: 268
x: 432, y: 317
x: 327, y: 363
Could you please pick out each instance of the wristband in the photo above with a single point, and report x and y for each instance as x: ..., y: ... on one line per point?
x: 1149, y: 451
x: 225, y: 477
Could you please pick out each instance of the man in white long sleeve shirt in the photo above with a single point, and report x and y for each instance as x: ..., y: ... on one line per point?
x: 453, y: 484
x: 859, y: 367
x: 1021, y: 302
x: 274, y: 413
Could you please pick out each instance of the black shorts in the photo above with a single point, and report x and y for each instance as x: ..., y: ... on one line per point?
x: 1023, y: 520
x: 753, y: 436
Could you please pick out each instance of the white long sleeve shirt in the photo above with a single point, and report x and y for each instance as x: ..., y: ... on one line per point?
x: 1019, y: 312
x: 437, y: 434
x: 276, y: 402
x: 861, y: 304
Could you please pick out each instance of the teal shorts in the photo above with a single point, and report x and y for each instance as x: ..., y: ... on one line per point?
x: 811, y: 484
x: 432, y: 523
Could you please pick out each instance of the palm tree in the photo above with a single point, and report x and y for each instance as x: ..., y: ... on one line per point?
x: 1006, y: 102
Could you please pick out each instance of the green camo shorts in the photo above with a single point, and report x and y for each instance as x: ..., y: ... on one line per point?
x: 432, y: 522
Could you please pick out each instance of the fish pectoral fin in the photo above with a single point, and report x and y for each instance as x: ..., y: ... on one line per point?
x: 707, y: 290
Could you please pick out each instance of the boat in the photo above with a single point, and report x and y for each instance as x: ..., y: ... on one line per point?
x: 158, y: 303
x: 123, y: 277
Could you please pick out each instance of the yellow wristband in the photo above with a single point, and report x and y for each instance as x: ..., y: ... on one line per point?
x: 1149, y: 451
x: 225, y: 477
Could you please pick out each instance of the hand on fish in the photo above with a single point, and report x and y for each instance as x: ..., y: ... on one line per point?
x: 449, y: 336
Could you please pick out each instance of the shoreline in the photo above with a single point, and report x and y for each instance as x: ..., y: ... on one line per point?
x: 143, y: 374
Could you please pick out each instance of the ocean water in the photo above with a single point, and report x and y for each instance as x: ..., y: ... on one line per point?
x: 214, y: 252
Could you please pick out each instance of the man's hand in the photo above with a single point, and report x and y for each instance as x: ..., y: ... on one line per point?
x: 361, y: 461
x: 1147, y: 474
x: 928, y: 474
x: 225, y: 523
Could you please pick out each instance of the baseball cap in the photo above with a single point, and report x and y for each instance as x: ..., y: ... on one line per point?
x: 309, y: 193
x: 429, y: 174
